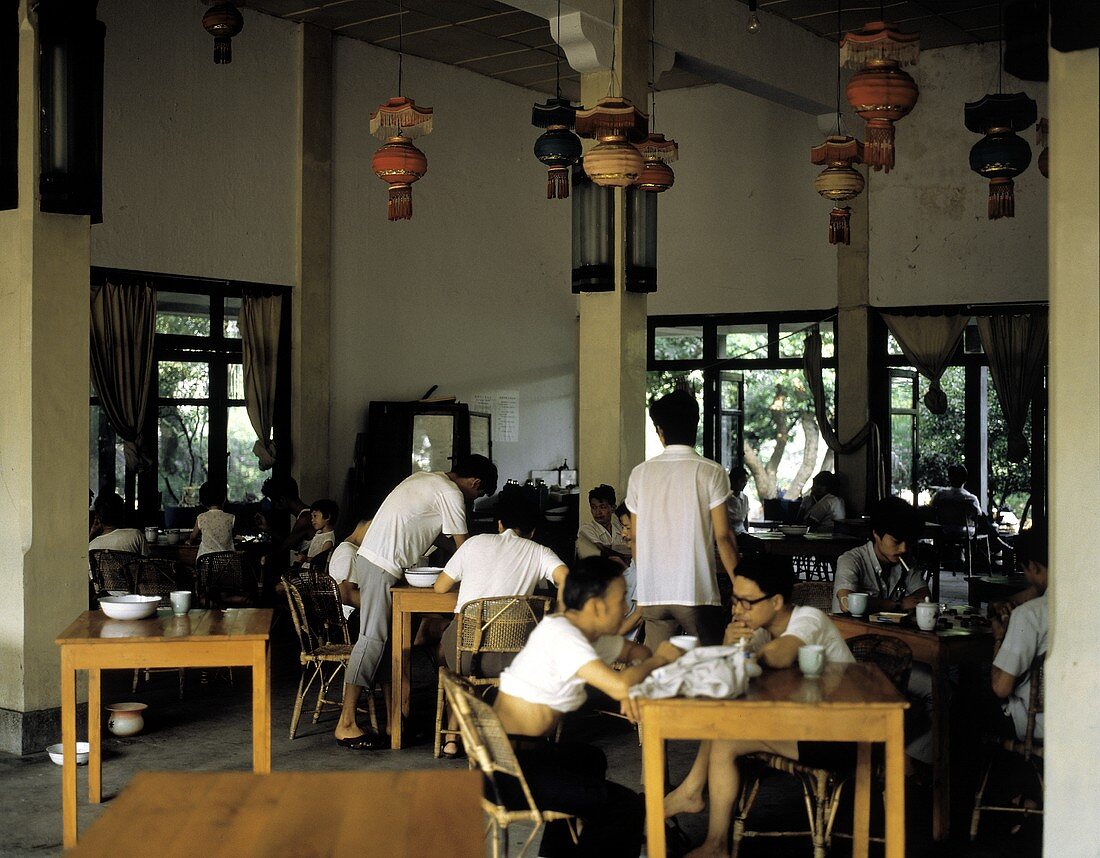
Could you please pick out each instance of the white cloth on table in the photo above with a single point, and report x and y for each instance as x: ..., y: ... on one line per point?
x: 706, y: 671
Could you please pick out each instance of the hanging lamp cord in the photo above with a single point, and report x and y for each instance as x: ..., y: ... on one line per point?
x: 614, y: 45
x: 400, y: 44
x: 653, y: 65
x: 557, y: 54
x: 839, y: 39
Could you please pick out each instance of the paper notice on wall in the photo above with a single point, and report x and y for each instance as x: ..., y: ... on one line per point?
x: 503, y: 405
x: 483, y: 403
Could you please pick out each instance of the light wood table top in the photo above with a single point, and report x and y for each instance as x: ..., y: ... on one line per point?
x: 406, y: 602
x: 425, y: 813
x: 95, y: 627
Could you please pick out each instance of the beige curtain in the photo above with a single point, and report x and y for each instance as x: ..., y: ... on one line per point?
x: 928, y: 342
x: 1016, y: 347
x: 260, y: 317
x: 123, y: 324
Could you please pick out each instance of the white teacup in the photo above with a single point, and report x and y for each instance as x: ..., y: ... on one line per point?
x: 857, y: 604
x: 181, y: 601
x: 685, y: 642
x: 173, y: 537
x: 926, y: 615
x: 811, y: 659
x: 150, y: 534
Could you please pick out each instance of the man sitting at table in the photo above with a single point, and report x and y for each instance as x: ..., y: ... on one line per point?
x: 878, y: 568
x: 420, y: 509
x: 603, y: 535
x: 956, y: 509
x: 822, y: 507
x: 108, y: 530
x: 762, y: 614
x: 547, y: 680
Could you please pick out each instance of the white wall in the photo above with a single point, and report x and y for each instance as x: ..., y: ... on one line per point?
x: 473, y: 293
x: 198, y: 158
x: 931, y: 241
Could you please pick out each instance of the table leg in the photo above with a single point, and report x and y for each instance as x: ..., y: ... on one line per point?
x: 941, y: 743
x: 261, y: 707
x: 653, y: 776
x: 95, y: 755
x: 68, y: 747
x: 861, y: 823
x: 895, y: 788
x: 399, y: 673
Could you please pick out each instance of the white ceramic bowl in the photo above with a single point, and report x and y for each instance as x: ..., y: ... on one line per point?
x: 793, y: 529
x: 129, y: 607
x: 82, y: 751
x: 422, y: 576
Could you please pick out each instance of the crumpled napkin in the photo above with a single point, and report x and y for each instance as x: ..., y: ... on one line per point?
x: 706, y: 671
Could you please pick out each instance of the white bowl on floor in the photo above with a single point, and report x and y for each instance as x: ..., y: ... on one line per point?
x: 423, y: 576
x: 129, y: 607
x: 58, y: 756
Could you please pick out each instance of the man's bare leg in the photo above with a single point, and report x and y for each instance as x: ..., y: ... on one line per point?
x: 725, y: 784
x: 347, y: 727
x: 688, y: 796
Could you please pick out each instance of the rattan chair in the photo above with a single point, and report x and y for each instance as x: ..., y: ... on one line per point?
x: 221, y: 582
x: 815, y: 594
x: 822, y: 788
x: 322, y: 631
x: 499, y: 625
x: 109, y: 571
x: 156, y: 577
x: 1030, y: 750
x: 489, y: 748
x: 811, y: 568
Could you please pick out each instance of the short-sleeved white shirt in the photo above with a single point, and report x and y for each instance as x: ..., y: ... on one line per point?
x: 822, y: 513
x: 591, y: 535
x: 672, y: 496
x: 121, y: 539
x: 545, y: 671
x: 217, y: 531
x: 1025, y: 638
x: 813, y: 626
x: 499, y: 564
x: 320, y: 542
x: 858, y: 570
x: 340, y: 565
x: 411, y: 517
x: 737, y: 509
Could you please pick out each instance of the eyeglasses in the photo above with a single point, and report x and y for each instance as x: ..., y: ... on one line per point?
x: 746, y: 604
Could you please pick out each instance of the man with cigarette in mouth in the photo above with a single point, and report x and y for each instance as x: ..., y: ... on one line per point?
x: 880, y: 570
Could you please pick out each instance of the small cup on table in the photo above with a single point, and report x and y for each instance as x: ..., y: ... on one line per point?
x: 811, y: 660
x: 857, y: 604
x: 181, y: 601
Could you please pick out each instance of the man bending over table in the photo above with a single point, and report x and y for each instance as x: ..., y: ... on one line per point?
x: 411, y: 518
x: 763, y: 614
x: 547, y: 680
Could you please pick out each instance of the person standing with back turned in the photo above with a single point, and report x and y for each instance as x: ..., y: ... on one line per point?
x: 677, y: 502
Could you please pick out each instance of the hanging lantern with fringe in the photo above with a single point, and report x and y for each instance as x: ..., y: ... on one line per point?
x: 398, y: 162
x: 615, y: 161
x: 558, y: 148
x: 880, y: 91
x: 657, y: 175
x: 839, y: 181
x: 223, y: 21
x: 1001, y: 154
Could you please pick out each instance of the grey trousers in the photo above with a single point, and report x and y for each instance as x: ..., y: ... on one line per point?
x: 375, y: 614
x: 664, y: 621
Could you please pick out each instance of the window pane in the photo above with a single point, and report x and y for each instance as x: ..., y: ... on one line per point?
x: 901, y: 392
x: 183, y: 433
x: 901, y: 455
x: 235, y: 381
x: 748, y: 341
x: 892, y: 346
x: 678, y: 343
x: 183, y: 380
x: 432, y: 442
x: 183, y: 313
x: 941, y: 438
x: 243, y: 473
x: 792, y: 339
x: 106, y: 460
x: 230, y: 324
x: 657, y: 385
x: 1009, y: 482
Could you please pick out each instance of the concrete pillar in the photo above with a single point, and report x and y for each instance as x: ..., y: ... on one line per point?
x: 310, y: 320
x: 1073, y: 658
x: 853, y: 335
x: 44, y: 266
x: 612, y: 362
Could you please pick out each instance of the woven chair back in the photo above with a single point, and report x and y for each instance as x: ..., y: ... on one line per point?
x: 219, y: 573
x: 893, y: 656
x: 308, y: 639
x: 155, y: 577
x: 321, y: 597
x: 813, y: 594
x: 499, y: 624
x: 319, y: 562
x: 110, y: 570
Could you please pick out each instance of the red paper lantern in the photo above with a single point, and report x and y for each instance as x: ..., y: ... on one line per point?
x: 839, y: 181
x: 657, y: 175
x: 399, y: 163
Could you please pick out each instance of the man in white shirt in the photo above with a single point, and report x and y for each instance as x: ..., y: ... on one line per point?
x: 762, y: 613
x: 108, y: 531
x: 737, y: 507
x: 563, y: 654
x: 341, y: 565
x: 420, y: 509
x: 677, y: 501
x: 957, y: 509
x: 603, y: 535
x: 822, y: 507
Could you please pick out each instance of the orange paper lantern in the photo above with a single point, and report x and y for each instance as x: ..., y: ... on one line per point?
x: 657, y: 175
x: 398, y: 162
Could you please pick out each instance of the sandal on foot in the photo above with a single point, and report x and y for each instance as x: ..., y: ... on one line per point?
x: 453, y: 754
x: 366, y: 742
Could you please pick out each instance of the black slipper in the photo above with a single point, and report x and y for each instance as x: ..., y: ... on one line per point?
x: 451, y: 755
x: 366, y: 742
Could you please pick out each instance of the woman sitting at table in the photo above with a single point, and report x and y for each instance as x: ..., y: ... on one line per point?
x: 763, y: 615
x: 215, y: 526
x: 107, y: 527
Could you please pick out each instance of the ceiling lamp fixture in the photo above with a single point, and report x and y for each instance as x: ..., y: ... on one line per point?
x: 839, y: 181
x: 880, y: 91
x: 657, y: 152
x: 615, y: 161
x: 223, y: 21
x: 754, y: 19
x: 1001, y: 154
x: 558, y: 148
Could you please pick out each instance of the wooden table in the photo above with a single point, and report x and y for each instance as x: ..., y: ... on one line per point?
x: 849, y: 703
x: 993, y: 588
x: 95, y: 642
x: 406, y: 602
x: 292, y: 813
x: 823, y: 546
x: 939, y: 650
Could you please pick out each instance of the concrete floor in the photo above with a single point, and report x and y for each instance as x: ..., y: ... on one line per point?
x: 210, y: 730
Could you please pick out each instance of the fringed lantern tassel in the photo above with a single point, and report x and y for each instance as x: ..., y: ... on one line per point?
x: 878, y: 149
x: 223, y: 50
x: 400, y: 206
x: 1002, y: 200
x: 557, y: 183
x: 839, y: 232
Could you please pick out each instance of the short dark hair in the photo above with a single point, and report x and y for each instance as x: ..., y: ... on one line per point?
x: 110, y: 509
x: 739, y: 471
x: 328, y: 508
x: 621, y: 511
x: 589, y: 579
x: 897, y: 517
x: 1031, y: 545
x: 772, y: 576
x: 676, y: 414
x: 956, y: 475
x: 280, y: 488
x: 602, y: 492
x: 211, y: 493
x: 480, y: 468
x: 517, y: 512
x: 828, y: 482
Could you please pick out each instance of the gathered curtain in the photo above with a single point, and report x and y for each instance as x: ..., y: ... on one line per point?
x: 1016, y: 347
x: 928, y: 342
x: 123, y: 325
x: 868, y: 435
x: 260, y: 320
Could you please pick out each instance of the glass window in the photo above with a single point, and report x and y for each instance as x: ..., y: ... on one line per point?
x: 1009, y: 482
x: 106, y: 459
x: 743, y: 341
x: 243, y: 474
x: 433, y: 442
x: 678, y: 343
x: 183, y: 379
x: 183, y: 313
x: 792, y: 339
x: 183, y: 437
x: 235, y: 381
x: 892, y: 346
x: 231, y: 319
x: 657, y: 385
